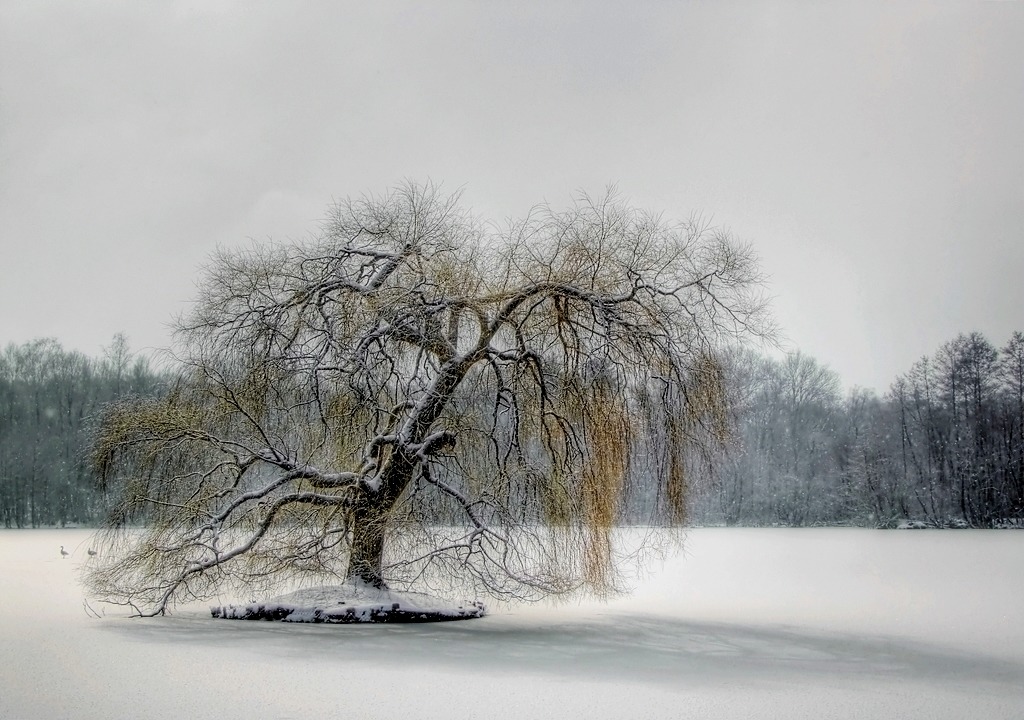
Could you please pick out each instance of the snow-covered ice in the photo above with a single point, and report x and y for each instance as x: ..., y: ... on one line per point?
x: 823, y: 623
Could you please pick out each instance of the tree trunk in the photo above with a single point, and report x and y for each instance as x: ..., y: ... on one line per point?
x: 370, y: 520
x: 366, y: 557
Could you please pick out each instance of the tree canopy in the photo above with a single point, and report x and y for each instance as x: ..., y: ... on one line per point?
x: 414, y: 396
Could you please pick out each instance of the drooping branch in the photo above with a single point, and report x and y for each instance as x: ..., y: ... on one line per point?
x: 419, y: 397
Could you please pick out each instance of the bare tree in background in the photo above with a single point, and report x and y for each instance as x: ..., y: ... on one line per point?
x: 1011, y: 369
x: 415, y: 397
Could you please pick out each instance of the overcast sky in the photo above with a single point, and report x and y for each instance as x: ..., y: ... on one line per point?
x: 872, y: 154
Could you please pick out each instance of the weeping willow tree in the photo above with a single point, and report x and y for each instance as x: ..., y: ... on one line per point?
x: 413, y: 396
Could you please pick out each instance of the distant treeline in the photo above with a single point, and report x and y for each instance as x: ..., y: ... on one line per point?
x: 48, y: 398
x: 943, y: 447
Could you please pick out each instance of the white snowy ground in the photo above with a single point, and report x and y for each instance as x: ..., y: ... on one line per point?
x: 829, y: 623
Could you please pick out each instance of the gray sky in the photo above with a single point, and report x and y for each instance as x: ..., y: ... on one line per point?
x: 873, y: 154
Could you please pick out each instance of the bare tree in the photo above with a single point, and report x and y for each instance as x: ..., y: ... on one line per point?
x: 413, y: 396
x: 1011, y: 370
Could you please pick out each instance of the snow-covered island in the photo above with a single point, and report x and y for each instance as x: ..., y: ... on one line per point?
x: 353, y: 602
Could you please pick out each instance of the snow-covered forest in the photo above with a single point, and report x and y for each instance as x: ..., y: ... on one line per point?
x: 48, y: 397
x: 944, y: 445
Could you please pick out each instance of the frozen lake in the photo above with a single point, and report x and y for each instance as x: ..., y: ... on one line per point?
x: 823, y: 623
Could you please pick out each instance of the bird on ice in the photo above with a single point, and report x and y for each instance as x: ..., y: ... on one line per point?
x: 63, y: 553
x: 91, y: 551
